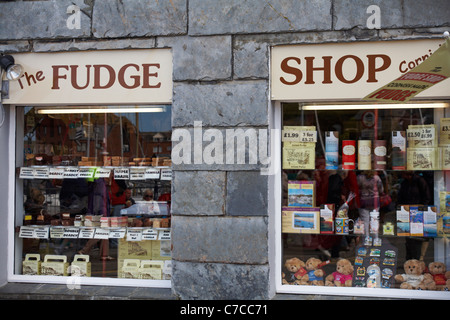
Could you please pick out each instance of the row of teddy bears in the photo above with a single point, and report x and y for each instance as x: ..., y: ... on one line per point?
x: 416, y: 275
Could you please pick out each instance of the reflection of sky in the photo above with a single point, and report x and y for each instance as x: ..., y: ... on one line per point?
x: 152, y: 122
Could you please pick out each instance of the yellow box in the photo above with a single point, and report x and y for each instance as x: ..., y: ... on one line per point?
x: 32, y: 264
x: 151, y: 269
x: 81, y: 266
x: 54, y: 265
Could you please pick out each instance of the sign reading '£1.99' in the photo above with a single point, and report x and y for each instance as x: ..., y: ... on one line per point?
x: 140, y: 76
x: 347, y: 70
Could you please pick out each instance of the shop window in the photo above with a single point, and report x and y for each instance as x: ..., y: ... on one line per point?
x: 365, y: 197
x: 92, y: 196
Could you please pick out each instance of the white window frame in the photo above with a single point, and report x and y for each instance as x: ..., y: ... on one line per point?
x: 14, y: 202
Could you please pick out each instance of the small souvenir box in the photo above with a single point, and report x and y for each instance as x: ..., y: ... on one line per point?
x: 54, y: 265
x: 32, y: 264
x: 81, y: 266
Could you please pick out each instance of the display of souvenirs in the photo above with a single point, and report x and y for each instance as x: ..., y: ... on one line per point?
x: 364, y: 154
x: 379, y: 154
x: 348, y: 154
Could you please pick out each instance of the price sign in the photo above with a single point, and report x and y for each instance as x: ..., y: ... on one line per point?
x: 121, y: 173
x: 118, y: 233
x: 149, y: 234
x: 134, y: 234
x: 292, y: 135
x: 26, y: 173
x: 86, y: 233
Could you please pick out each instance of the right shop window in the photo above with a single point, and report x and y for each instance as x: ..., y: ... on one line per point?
x: 366, y: 195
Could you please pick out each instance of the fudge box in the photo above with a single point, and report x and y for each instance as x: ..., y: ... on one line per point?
x: 81, y: 266
x: 151, y: 269
x: 54, y: 265
x: 31, y: 265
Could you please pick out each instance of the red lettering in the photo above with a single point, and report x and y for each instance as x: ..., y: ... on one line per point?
x: 73, y: 76
x: 291, y: 70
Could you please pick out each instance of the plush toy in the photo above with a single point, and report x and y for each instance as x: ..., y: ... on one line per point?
x: 295, y: 270
x: 414, y: 277
x: 343, y: 275
x: 439, y: 277
x: 315, y: 273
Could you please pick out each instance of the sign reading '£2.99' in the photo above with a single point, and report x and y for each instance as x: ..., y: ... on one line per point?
x: 140, y: 76
x: 347, y: 70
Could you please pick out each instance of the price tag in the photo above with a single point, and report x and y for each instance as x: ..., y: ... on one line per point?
x: 152, y: 173
x: 421, y: 133
x: 71, y: 173
x: 71, y: 233
x: 121, y: 173
x: 134, y: 234
x: 41, y: 173
x: 86, y: 173
x: 26, y: 232
x: 101, y: 233
x: 149, y: 234
x: 56, y: 173
x: 56, y: 232
x: 118, y: 233
x: 164, y: 235
x: 102, y: 173
x: 137, y: 173
x: 41, y: 232
x: 166, y: 174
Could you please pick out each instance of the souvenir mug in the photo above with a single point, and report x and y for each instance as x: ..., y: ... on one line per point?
x: 342, y: 225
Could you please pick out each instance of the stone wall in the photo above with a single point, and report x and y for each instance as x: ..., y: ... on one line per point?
x: 221, y: 219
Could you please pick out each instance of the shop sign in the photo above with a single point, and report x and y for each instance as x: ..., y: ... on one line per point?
x: 430, y: 72
x: 142, y: 76
x: 346, y: 70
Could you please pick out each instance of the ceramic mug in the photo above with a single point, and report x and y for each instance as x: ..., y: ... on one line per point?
x: 342, y: 225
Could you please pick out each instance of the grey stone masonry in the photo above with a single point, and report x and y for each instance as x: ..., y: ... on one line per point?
x: 221, y: 66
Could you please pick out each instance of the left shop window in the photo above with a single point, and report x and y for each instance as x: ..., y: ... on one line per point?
x: 93, y: 192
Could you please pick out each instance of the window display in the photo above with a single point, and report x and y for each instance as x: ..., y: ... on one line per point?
x: 365, y: 196
x: 93, y: 192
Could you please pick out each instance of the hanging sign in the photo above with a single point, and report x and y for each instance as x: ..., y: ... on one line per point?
x: 430, y: 72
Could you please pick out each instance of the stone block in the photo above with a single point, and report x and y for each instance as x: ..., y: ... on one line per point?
x: 242, y: 103
x: 208, y: 17
x: 423, y: 13
x: 198, y: 193
x: 199, y: 58
x: 42, y: 19
x: 74, y: 45
x: 216, y: 281
x: 247, y: 193
x: 131, y: 18
x: 220, y: 239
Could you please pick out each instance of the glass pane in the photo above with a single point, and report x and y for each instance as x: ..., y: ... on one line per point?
x: 91, y: 197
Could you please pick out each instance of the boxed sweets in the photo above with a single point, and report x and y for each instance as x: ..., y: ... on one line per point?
x: 364, y: 154
x: 54, y: 265
x: 130, y: 269
x: 422, y: 159
x: 80, y: 266
x: 31, y: 265
x: 403, y: 228
x: 380, y: 152
x: 348, y: 154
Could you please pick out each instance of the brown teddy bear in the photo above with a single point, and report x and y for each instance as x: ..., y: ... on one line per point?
x: 343, y: 275
x: 414, y: 277
x: 438, y: 277
x: 295, y: 270
x: 315, y: 273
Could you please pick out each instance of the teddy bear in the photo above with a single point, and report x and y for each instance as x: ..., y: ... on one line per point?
x: 314, y: 274
x: 438, y: 277
x: 414, y: 277
x: 295, y: 270
x: 343, y: 275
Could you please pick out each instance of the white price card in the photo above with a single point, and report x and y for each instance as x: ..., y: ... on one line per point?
x: 86, y: 233
x: 41, y: 173
x: 26, y: 232
x: 117, y: 233
x: 56, y: 232
x: 134, y: 234
x: 121, y: 173
x: 164, y: 235
x: 26, y: 173
x: 41, y: 232
x: 71, y: 233
x: 86, y: 173
x: 149, y: 234
x: 293, y: 135
x: 56, y: 173
x: 137, y: 173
